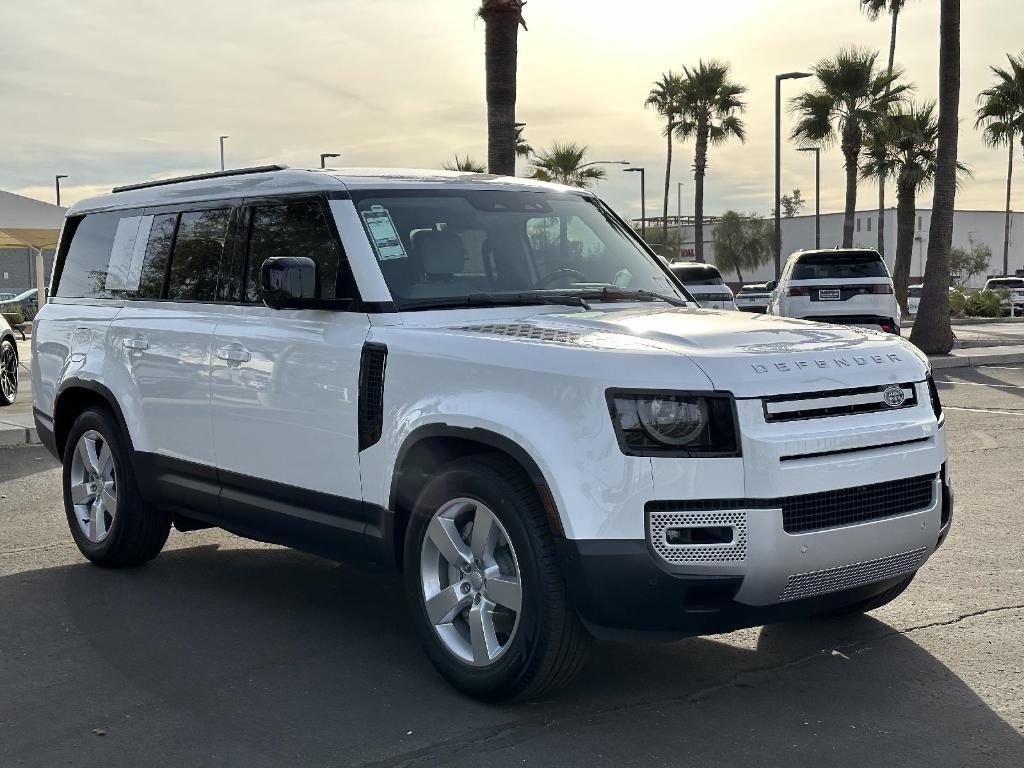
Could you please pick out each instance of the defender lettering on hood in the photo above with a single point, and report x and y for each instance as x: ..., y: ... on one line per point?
x: 834, y: 362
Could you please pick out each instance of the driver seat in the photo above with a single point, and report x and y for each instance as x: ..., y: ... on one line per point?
x: 438, y: 257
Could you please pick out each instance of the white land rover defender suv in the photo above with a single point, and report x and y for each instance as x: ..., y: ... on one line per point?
x: 490, y: 384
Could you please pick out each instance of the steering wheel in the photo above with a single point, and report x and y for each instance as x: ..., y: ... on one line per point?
x: 545, y: 282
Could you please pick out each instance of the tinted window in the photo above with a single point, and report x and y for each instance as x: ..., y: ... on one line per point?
x: 1005, y: 283
x: 915, y: 292
x: 84, y: 274
x: 296, y: 229
x: 150, y: 278
x: 198, y: 248
x: 830, y: 266
x: 703, y: 276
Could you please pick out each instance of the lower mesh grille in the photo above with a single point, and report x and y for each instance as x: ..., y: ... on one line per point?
x: 830, y: 509
x: 814, y: 583
x: 659, y: 522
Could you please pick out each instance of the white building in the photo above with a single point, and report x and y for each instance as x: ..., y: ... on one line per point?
x: 969, y: 228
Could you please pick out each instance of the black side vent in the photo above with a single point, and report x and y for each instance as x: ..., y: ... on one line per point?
x: 933, y: 394
x: 371, y: 394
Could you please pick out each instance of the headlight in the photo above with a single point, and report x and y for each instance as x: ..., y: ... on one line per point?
x: 674, y: 424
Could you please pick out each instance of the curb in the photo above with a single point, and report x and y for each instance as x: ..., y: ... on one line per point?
x: 18, y: 436
x: 973, y: 361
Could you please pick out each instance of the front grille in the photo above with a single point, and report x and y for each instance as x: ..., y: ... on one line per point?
x: 736, y: 551
x: 837, y: 402
x: 831, y: 509
x: 814, y: 583
x: 826, y: 509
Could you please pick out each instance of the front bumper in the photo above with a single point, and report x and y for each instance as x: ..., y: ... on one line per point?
x: 620, y: 587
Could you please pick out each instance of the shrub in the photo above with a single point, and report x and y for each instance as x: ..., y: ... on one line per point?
x: 985, y: 304
x: 957, y: 304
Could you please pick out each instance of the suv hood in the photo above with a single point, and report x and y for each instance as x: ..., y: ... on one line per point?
x: 755, y: 355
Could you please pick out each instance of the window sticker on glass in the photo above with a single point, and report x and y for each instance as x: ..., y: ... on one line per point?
x: 383, y: 233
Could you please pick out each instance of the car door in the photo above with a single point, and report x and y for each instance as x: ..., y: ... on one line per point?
x: 163, y: 337
x: 285, y: 390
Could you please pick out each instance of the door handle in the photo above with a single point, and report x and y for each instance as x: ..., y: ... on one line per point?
x: 234, y: 354
x: 135, y: 342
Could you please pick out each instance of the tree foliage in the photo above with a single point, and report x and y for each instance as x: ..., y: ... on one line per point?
x: 465, y: 164
x: 965, y: 264
x: 792, y: 204
x: 742, y: 242
x: 563, y: 163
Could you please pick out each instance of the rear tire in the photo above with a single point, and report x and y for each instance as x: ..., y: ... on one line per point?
x: 109, y: 521
x: 540, y: 646
x: 873, y: 603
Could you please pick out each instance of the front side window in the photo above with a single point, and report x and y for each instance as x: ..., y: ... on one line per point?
x: 839, y: 266
x: 296, y: 229
x: 453, y: 245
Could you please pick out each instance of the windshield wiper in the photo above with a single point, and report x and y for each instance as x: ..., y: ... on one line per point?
x: 612, y: 294
x: 496, y: 300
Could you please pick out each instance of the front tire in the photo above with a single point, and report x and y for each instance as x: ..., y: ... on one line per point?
x: 109, y: 521
x: 488, y: 598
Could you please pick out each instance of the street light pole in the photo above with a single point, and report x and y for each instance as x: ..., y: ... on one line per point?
x: 603, y: 162
x: 325, y: 155
x: 222, y: 151
x: 56, y: 181
x: 817, y: 193
x: 643, y: 198
x: 778, y: 162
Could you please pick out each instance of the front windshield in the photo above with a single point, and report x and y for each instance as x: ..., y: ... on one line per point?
x: 435, y: 245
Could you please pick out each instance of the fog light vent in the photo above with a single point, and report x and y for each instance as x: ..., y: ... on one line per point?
x: 698, y: 537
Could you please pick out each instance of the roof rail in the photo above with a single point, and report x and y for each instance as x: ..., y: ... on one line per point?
x: 200, y: 177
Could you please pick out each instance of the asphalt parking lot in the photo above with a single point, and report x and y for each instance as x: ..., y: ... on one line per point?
x: 230, y: 653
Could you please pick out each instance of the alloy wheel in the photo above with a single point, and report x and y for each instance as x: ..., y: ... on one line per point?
x: 93, y: 486
x: 471, y: 582
x: 8, y: 372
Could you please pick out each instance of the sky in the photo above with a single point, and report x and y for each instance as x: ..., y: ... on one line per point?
x: 119, y: 91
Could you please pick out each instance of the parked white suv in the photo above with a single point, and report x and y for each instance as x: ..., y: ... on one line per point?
x: 849, y: 286
x: 1014, y: 303
x: 490, y: 384
x: 705, y: 284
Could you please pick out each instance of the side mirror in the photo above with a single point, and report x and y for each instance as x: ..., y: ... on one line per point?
x: 771, y: 285
x: 288, y: 282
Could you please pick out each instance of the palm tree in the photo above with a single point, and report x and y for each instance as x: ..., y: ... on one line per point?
x: 523, y: 148
x: 906, y: 148
x: 502, y: 19
x: 708, y: 107
x: 563, y: 164
x: 852, y: 94
x: 664, y: 98
x: 932, y: 332
x: 1001, y: 111
x: 874, y: 9
x: 466, y: 164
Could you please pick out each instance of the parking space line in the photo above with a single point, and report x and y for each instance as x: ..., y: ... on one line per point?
x: 982, y: 410
x: 980, y: 384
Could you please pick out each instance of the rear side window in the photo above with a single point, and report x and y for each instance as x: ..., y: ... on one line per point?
x: 146, y: 280
x: 195, y: 261
x: 1005, y: 283
x: 85, y: 267
x: 829, y: 266
x: 296, y: 229
x: 699, y: 277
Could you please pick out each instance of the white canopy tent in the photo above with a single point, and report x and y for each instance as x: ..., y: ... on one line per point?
x: 32, y: 224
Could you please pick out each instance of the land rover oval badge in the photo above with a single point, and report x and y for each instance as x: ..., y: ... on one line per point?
x: 893, y: 396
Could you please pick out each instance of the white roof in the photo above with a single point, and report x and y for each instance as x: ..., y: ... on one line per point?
x: 296, y: 180
x: 25, y: 221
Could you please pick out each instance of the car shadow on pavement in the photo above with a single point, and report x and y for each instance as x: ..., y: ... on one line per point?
x: 264, y: 656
